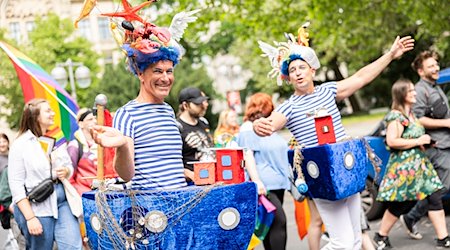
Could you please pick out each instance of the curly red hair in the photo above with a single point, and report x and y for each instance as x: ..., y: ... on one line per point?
x: 259, y: 105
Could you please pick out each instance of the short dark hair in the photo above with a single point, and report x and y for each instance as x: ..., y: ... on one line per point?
x: 418, y: 62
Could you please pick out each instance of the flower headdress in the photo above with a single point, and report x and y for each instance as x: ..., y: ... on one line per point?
x: 285, y: 52
x: 143, y: 42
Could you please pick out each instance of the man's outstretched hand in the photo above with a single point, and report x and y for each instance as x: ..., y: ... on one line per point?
x: 401, y: 46
x: 107, y: 136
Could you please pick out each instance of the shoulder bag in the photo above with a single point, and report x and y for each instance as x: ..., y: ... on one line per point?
x: 42, y: 191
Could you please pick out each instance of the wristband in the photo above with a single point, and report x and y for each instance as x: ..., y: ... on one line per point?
x: 31, y: 218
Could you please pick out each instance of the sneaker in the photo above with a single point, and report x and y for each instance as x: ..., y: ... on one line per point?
x: 381, y: 242
x: 325, y: 236
x: 444, y: 243
x: 411, y: 228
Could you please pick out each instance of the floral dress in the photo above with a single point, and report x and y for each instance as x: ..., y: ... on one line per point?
x: 409, y: 173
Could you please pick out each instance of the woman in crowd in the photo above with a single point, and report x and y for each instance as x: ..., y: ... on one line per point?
x: 4, y: 150
x: 51, y: 220
x: 272, y: 165
x: 227, y: 128
x: 6, y: 239
x: 83, y: 152
x: 409, y: 176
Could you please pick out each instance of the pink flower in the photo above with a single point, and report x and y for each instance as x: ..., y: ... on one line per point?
x: 412, y: 172
x: 405, y: 123
x: 391, y: 175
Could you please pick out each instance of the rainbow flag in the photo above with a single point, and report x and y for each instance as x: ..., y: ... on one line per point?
x: 36, y: 83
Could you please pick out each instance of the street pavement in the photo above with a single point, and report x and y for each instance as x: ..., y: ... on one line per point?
x: 398, y: 237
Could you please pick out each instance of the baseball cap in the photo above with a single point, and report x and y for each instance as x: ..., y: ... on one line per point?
x: 192, y: 94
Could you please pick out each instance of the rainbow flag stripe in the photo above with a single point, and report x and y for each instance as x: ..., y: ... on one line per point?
x: 58, y: 135
x: 36, y: 83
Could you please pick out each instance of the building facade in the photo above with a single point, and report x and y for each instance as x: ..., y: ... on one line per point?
x: 17, y: 17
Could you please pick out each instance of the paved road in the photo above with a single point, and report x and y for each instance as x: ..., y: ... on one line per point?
x: 398, y: 237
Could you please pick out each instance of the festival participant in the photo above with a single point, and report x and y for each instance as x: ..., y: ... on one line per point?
x: 29, y: 165
x: 9, y: 230
x: 83, y: 152
x: 272, y: 165
x: 409, y: 175
x: 431, y: 108
x: 298, y: 64
x: 227, y: 128
x: 145, y: 134
x: 195, y: 132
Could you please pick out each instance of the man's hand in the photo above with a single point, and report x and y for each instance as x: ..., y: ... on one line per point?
x: 263, y: 126
x: 401, y: 45
x: 107, y: 136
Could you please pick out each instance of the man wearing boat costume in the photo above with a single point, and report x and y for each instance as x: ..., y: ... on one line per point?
x: 334, y: 172
x: 159, y: 211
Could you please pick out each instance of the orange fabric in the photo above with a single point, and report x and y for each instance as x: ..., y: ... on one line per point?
x: 302, y: 217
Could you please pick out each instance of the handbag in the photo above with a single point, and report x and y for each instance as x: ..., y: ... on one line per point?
x: 73, y: 198
x: 42, y: 191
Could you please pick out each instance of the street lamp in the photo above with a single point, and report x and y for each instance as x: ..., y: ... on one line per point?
x: 82, y: 75
x: 231, y: 73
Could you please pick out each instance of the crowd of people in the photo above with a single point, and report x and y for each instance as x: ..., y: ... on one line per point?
x: 416, y: 176
x: 155, y: 148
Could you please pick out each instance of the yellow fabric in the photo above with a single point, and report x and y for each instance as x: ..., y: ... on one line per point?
x: 254, y: 242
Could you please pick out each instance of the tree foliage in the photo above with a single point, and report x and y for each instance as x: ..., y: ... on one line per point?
x: 350, y: 32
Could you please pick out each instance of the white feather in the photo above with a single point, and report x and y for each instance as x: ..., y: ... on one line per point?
x: 180, y: 22
x: 269, y: 51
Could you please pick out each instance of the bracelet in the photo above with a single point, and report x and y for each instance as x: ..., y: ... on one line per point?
x: 31, y: 218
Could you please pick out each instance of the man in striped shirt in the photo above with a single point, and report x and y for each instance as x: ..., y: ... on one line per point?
x: 145, y: 134
x: 342, y: 217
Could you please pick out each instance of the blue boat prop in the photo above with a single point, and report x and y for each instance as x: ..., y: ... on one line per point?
x: 444, y: 76
x: 197, y: 217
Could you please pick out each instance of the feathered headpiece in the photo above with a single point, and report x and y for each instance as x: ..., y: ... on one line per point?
x: 143, y: 42
x: 285, y: 52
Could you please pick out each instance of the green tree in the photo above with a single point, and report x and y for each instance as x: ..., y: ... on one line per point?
x: 118, y: 84
x: 351, y: 32
x: 11, y: 93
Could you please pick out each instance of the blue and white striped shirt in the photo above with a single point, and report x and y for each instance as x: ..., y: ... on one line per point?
x: 157, y: 144
x: 302, y: 126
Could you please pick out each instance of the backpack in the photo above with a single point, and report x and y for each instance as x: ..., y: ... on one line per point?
x: 80, y: 150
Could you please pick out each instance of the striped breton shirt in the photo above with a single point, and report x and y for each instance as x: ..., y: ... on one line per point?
x: 157, y: 144
x: 302, y: 126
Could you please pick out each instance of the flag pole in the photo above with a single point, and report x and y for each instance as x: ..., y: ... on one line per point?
x: 100, y: 103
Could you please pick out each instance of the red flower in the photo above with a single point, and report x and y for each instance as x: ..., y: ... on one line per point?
x: 405, y: 123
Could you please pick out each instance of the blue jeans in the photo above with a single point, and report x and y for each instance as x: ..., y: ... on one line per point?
x: 65, y: 230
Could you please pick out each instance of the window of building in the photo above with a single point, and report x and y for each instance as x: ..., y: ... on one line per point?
x: 84, y: 29
x: 103, y: 29
x: 30, y: 25
x: 14, y: 29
